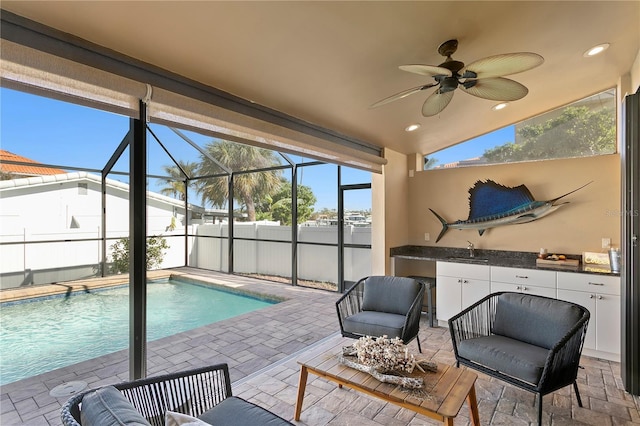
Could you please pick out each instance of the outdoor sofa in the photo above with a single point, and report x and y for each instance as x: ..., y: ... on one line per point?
x: 203, y: 393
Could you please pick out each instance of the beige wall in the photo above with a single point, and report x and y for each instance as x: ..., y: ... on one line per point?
x: 593, y: 212
x: 635, y: 74
x: 394, y: 182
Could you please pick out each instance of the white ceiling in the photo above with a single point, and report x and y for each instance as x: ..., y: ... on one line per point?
x: 326, y: 62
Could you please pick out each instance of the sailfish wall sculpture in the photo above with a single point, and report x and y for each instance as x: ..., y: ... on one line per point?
x: 492, y: 204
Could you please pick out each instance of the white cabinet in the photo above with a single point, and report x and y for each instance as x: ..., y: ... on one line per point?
x: 459, y: 286
x: 601, y: 296
x: 529, y: 281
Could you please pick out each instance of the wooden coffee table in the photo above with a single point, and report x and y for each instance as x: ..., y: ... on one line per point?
x: 447, y: 388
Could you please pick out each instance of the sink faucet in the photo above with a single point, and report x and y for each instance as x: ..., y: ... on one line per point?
x: 471, y: 249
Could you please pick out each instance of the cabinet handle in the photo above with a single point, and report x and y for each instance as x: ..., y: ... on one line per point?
x: 601, y: 284
x: 459, y: 281
x: 525, y: 288
x: 522, y: 276
x: 465, y: 281
x: 518, y: 288
x: 591, y: 296
x: 600, y: 297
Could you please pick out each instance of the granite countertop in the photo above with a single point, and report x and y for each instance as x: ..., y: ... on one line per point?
x: 512, y: 259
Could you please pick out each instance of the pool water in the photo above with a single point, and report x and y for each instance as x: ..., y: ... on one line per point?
x: 45, y: 334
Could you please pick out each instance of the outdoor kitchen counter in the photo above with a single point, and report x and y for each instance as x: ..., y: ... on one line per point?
x: 511, y: 259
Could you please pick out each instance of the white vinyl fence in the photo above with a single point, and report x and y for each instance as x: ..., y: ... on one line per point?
x: 57, y: 258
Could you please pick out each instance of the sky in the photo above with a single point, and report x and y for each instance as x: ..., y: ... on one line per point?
x: 475, y: 147
x: 64, y: 134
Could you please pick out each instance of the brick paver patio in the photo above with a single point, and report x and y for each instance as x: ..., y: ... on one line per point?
x: 262, y: 347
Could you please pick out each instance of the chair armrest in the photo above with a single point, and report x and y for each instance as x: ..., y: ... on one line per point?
x: 561, y: 365
x: 475, y: 321
x: 412, y: 321
x: 351, y: 301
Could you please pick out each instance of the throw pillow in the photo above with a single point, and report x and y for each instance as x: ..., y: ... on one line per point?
x: 178, y: 419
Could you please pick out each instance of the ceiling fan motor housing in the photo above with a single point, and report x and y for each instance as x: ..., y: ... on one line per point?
x: 448, y: 84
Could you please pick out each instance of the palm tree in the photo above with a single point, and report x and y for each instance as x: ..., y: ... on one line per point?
x: 175, y: 182
x: 248, y: 187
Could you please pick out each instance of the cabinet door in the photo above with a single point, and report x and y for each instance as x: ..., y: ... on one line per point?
x: 473, y: 290
x: 608, y: 323
x: 587, y: 300
x: 448, y: 297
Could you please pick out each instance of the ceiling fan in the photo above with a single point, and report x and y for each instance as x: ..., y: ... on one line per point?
x: 482, y: 78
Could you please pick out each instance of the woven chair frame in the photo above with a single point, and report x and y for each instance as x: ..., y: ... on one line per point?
x: 189, y: 392
x: 562, y: 362
x: 351, y: 303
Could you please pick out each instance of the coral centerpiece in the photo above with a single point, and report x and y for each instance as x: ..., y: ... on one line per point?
x: 388, y: 360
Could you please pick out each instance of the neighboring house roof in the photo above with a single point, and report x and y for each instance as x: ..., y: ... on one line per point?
x: 24, y: 170
x: 84, y: 176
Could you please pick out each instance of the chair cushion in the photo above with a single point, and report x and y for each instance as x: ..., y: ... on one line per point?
x: 236, y: 411
x: 375, y: 324
x: 506, y: 355
x: 393, y: 295
x: 106, y: 407
x: 533, y: 319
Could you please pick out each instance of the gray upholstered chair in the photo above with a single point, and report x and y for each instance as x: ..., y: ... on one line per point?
x: 204, y: 393
x: 382, y: 305
x: 532, y: 342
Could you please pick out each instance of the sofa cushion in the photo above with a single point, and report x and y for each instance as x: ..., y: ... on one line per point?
x: 393, y: 295
x: 375, y: 324
x: 506, y: 355
x: 106, y: 407
x: 236, y: 411
x: 533, y: 319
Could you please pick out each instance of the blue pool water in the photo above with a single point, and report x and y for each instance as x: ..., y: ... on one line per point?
x: 45, y: 334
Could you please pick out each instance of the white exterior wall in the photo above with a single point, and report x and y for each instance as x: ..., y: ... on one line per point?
x: 68, y: 207
x: 56, y: 208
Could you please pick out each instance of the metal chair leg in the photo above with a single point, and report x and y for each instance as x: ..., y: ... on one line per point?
x: 539, y: 409
x: 420, y: 349
x: 575, y: 387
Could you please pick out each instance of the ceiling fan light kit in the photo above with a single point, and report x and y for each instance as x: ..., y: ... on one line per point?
x: 483, y: 78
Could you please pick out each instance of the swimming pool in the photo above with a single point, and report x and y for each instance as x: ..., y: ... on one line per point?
x: 48, y: 333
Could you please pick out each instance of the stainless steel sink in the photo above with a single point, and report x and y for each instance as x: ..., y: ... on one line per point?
x: 468, y: 259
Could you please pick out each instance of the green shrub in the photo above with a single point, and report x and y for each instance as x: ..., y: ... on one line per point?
x: 155, y: 253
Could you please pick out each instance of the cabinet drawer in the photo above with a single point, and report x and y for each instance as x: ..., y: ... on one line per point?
x: 589, y: 283
x: 523, y: 276
x: 463, y: 270
x: 524, y: 289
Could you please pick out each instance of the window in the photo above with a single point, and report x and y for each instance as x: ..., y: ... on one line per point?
x: 581, y: 129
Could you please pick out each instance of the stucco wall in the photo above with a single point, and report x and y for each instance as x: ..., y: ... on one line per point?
x: 395, y: 181
x: 635, y: 74
x: 592, y: 212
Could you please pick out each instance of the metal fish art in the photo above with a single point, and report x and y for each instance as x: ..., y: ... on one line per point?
x: 492, y: 204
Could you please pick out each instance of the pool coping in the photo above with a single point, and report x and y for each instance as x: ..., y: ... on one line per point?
x: 68, y: 287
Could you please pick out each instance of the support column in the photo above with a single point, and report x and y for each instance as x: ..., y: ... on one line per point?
x: 138, y: 247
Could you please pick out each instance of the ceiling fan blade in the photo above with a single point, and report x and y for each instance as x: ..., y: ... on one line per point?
x: 436, y: 103
x: 496, y: 89
x: 428, y: 70
x: 401, y: 95
x: 501, y: 65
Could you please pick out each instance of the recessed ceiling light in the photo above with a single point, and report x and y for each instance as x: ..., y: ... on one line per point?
x: 596, y: 50
x: 412, y: 127
x: 500, y: 106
